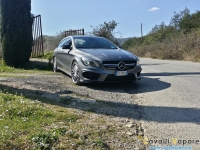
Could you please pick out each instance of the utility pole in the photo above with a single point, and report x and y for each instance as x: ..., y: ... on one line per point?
x: 141, y: 33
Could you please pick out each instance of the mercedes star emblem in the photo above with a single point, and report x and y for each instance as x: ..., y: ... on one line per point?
x: 121, y: 65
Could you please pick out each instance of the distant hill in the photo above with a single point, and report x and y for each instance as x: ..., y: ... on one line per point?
x: 122, y: 40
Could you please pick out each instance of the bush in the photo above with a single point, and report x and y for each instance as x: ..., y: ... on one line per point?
x: 183, y: 47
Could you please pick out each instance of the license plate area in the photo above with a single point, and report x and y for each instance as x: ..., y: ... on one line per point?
x: 121, y: 73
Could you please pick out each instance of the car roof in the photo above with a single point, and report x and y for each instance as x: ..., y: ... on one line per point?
x: 86, y: 36
x: 72, y: 36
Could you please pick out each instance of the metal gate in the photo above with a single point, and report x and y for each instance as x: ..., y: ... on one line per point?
x: 37, y: 49
x: 74, y: 32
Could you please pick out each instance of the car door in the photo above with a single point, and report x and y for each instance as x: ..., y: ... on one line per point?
x: 65, y: 56
x: 58, y: 54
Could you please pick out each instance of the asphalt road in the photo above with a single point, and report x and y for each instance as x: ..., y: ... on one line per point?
x: 169, y: 101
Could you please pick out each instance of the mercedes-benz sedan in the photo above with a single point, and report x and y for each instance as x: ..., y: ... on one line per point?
x: 95, y: 59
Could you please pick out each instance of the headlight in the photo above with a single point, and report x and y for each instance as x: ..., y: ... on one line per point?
x: 90, y: 62
x: 138, y: 60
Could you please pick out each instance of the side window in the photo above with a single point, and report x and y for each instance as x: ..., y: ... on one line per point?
x: 68, y: 41
x: 62, y: 43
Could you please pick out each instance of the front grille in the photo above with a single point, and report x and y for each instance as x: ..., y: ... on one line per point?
x: 116, y: 62
x: 129, y: 77
x: 113, y: 65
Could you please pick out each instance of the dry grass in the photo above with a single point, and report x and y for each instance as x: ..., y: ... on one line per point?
x: 184, y: 47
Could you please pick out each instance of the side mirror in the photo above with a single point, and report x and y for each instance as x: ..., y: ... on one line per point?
x: 66, y: 46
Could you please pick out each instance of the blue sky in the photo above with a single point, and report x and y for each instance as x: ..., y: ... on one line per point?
x: 59, y: 15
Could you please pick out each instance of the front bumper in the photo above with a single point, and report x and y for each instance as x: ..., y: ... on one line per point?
x: 94, y: 74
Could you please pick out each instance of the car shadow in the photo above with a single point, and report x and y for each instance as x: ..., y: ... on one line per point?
x: 156, y: 64
x: 134, y: 111
x: 111, y: 108
x: 150, y: 82
x: 143, y: 86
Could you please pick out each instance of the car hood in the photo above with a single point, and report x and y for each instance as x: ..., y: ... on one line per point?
x: 107, y: 54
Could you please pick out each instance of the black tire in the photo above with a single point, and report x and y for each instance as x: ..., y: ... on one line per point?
x: 75, y: 73
x: 54, y: 65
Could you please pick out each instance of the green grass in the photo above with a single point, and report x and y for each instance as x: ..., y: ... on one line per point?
x: 48, y: 55
x: 34, y: 122
x: 23, y: 119
x: 29, y: 67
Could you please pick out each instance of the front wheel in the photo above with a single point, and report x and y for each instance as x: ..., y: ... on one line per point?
x: 75, y: 73
x: 54, y: 65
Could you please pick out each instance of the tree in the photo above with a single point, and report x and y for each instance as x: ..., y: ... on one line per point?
x: 106, y: 30
x: 175, y: 20
x: 159, y: 33
x: 16, y: 31
x: 190, y: 21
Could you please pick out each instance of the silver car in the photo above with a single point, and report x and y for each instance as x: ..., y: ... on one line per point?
x: 95, y: 59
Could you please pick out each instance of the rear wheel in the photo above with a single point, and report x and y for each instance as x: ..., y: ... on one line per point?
x: 54, y: 65
x: 75, y: 73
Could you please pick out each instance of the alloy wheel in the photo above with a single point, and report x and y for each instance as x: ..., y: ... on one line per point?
x: 54, y: 65
x: 75, y: 74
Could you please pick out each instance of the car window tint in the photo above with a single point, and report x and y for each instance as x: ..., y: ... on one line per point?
x: 93, y: 42
x: 68, y: 42
x: 62, y: 43
x: 107, y: 44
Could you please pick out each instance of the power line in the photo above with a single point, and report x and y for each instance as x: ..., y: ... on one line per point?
x: 179, y: 5
x: 161, y: 15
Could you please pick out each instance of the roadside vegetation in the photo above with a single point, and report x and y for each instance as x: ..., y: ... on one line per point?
x: 48, y: 55
x: 33, y: 66
x: 180, y: 40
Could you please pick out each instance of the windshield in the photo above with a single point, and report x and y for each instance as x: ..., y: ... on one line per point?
x: 93, y: 43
